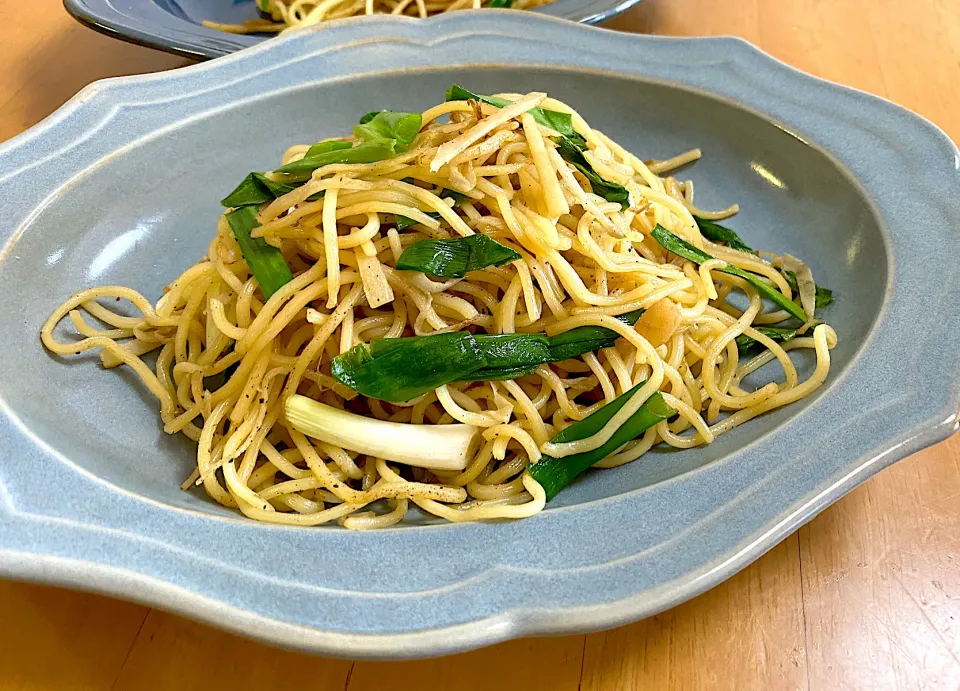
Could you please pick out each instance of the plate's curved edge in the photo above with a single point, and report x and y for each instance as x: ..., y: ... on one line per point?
x: 140, y: 588
x: 516, y: 622
x: 189, y: 40
x: 101, y: 24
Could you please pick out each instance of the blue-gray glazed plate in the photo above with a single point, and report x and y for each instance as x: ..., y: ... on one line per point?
x: 121, y: 186
x: 176, y: 25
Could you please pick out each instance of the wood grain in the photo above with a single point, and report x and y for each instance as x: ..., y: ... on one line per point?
x: 60, y: 639
x: 753, y: 620
x: 881, y: 579
x: 173, y: 653
x: 537, y: 664
x: 866, y: 596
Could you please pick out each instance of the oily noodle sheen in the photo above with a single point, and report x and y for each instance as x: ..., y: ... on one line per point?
x: 293, y: 14
x: 583, y: 260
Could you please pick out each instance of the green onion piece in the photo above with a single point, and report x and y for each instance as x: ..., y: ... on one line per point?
x: 389, y: 125
x: 361, y: 153
x: 256, y: 189
x: 562, y: 123
x: 277, y: 189
x: 554, y: 474
x: 398, y: 369
x: 747, y: 345
x: 455, y: 257
x: 402, y: 371
x: 265, y: 261
x: 500, y: 3
x: 824, y: 296
x: 404, y: 222
x: 327, y: 147
x: 442, y: 447
x: 509, y: 356
x: 379, y: 136
x: 249, y: 191
x: 563, y: 346
x: 682, y: 248
x: 586, y: 339
x: 718, y: 233
x: 457, y: 197
x: 611, y: 191
x: 500, y: 373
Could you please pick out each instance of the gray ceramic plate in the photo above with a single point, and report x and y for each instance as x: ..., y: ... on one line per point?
x: 176, y: 25
x: 121, y: 186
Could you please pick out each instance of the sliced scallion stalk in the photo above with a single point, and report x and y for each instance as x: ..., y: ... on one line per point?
x: 441, y: 447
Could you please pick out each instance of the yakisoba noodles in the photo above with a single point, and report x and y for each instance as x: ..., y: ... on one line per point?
x: 280, y: 15
x: 548, y: 328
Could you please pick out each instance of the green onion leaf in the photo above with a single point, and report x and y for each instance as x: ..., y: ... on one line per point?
x: 780, y: 334
x: 718, y: 233
x: 562, y: 123
x: 256, y: 189
x: 249, y: 191
x: 327, y: 146
x: 265, y: 261
x: 611, y: 191
x: 509, y: 356
x: 404, y: 222
x: 455, y: 257
x: 824, y: 296
x: 382, y: 136
x: 500, y: 373
x: 399, y: 369
x: 562, y: 346
x: 410, y: 367
x: 277, y: 189
x: 500, y: 3
x: 682, y: 248
x: 389, y: 125
x: 554, y: 474
x: 586, y: 339
x: 361, y: 153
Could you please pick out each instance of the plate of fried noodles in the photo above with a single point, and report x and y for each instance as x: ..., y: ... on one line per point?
x: 211, y: 28
x: 402, y: 363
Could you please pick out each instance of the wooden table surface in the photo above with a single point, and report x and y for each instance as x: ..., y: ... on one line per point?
x: 867, y: 596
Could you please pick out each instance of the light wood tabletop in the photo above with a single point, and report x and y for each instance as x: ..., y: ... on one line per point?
x: 866, y: 596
